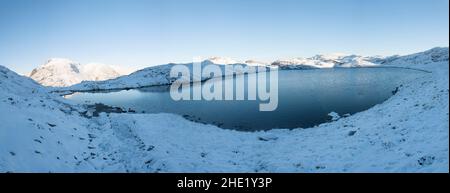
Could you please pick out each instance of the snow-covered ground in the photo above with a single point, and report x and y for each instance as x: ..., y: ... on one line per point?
x: 40, y: 131
x: 61, y: 72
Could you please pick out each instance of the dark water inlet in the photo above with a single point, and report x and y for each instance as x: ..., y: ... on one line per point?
x: 305, y: 98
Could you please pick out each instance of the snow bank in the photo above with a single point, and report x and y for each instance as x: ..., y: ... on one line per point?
x: 325, y: 61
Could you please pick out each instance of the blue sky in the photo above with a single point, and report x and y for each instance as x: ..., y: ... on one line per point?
x: 139, y: 33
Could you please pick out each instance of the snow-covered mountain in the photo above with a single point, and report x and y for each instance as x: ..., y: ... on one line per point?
x: 39, y: 131
x: 98, y: 71
x: 61, y: 72
x: 256, y: 63
x: 221, y: 60
x: 325, y: 61
x: 438, y: 54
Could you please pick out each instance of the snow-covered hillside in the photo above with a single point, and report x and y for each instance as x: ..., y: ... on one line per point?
x: 341, y: 60
x: 227, y: 61
x: 42, y: 132
x: 256, y: 63
x: 434, y: 55
x: 325, y: 61
x: 60, y: 72
x: 39, y: 131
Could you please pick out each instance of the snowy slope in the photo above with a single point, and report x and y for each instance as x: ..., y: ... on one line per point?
x: 60, y: 72
x: 98, y: 71
x: 325, y: 61
x: 438, y: 54
x: 57, y: 72
x: 226, y: 61
x: 42, y: 132
x: 39, y: 132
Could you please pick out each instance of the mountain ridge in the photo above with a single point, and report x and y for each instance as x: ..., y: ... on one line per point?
x: 62, y: 72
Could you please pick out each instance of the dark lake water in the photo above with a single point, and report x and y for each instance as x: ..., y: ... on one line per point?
x: 305, y: 98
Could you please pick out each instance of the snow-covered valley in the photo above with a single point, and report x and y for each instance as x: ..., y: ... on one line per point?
x: 43, y: 132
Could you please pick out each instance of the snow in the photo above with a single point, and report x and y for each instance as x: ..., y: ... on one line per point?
x: 39, y: 131
x: 256, y: 63
x: 227, y: 61
x: 222, y: 60
x: 151, y: 76
x: 61, y: 72
x: 325, y: 61
x: 158, y: 75
x: 434, y: 55
x: 406, y: 133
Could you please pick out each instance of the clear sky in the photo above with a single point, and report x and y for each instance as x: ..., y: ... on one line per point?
x: 141, y: 33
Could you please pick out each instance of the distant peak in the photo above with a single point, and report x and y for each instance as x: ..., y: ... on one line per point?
x: 65, y: 72
x: 255, y: 62
x: 222, y: 60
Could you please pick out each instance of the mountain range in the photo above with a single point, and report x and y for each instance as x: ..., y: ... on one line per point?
x: 159, y: 75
